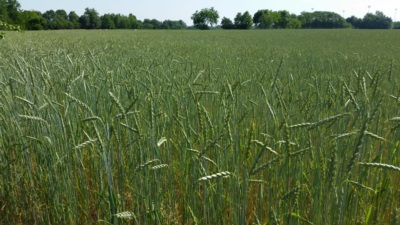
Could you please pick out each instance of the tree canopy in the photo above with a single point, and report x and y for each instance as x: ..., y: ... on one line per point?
x: 227, y: 23
x: 267, y: 19
x: 322, y: 19
x: 11, y: 14
x: 371, y: 21
x: 243, y: 21
x: 205, y: 18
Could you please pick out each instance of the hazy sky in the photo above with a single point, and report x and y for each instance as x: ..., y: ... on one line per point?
x: 183, y: 9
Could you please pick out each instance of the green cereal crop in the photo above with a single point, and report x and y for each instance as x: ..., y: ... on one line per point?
x: 200, y: 127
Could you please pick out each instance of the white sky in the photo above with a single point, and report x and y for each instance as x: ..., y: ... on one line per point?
x: 183, y: 9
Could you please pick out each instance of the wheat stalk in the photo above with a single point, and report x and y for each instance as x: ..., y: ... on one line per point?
x: 381, y: 166
x: 359, y: 185
x: 159, y: 166
x: 86, y: 143
x: 215, y: 176
x: 82, y: 104
x: 125, y: 215
x: 35, y: 118
x: 118, y: 103
x: 146, y: 164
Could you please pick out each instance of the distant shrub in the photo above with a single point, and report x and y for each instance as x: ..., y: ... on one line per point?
x: 396, y: 25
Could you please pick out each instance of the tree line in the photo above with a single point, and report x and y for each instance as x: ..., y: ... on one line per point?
x: 11, y: 13
x: 268, y: 19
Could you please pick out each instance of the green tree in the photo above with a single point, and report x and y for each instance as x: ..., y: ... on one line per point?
x: 237, y: 19
x: 294, y: 23
x: 147, y: 24
x: 257, y: 16
x: 84, y: 22
x: 170, y: 24
x: 204, y: 18
x: 3, y: 11
x: 243, y: 21
x: 354, y: 21
x: 133, y: 22
x: 122, y: 22
x: 306, y: 19
x: 151, y: 24
x: 74, y: 20
x: 90, y: 19
x: 62, y: 21
x: 6, y: 26
x: 227, y: 23
x: 62, y: 14
x: 376, y: 21
x: 50, y: 16
x: 56, y: 20
x: 107, y: 22
x: 265, y: 19
x: 33, y: 20
x: 13, y: 11
x: 284, y: 19
x: 322, y: 19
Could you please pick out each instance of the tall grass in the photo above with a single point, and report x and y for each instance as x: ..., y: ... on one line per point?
x: 189, y: 127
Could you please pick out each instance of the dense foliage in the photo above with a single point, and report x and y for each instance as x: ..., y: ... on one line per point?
x: 186, y: 127
x: 396, y: 25
x: 7, y: 27
x: 371, y: 21
x: 243, y: 21
x: 266, y: 19
x: 11, y: 13
x: 205, y: 18
x: 227, y: 23
x: 320, y: 19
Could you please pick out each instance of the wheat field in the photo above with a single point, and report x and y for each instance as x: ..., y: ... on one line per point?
x: 200, y: 127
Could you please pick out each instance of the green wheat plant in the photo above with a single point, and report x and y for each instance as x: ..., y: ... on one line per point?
x: 189, y: 127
